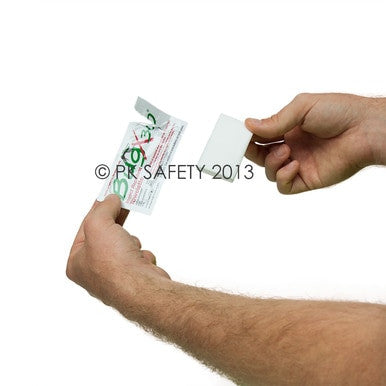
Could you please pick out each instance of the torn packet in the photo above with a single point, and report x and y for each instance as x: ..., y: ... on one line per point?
x: 153, y: 144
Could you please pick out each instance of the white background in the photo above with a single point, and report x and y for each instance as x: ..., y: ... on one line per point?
x: 70, y: 75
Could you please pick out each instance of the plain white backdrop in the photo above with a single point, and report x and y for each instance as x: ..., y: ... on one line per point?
x: 70, y: 73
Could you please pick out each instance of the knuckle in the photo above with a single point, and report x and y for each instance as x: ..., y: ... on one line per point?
x: 304, y: 99
x: 87, y: 224
x: 301, y: 97
x: 148, y: 255
x: 136, y: 241
x: 275, y: 118
x: 69, y: 269
x: 163, y: 272
x: 90, y: 224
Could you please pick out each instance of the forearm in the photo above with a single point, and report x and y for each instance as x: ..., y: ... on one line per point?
x: 255, y: 341
x: 375, y: 129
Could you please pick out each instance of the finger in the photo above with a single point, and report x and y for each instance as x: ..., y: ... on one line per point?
x: 136, y: 241
x: 147, y: 255
x: 122, y: 216
x: 286, y: 178
x: 104, y: 214
x: 256, y: 153
x: 275, y: 160
x: 285, y: 120
x: 163, y: 272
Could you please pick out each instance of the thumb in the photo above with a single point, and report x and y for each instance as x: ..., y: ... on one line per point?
x: 104, y: 214
x: 285, y: 120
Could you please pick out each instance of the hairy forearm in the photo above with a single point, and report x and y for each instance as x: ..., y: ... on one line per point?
x: 256, y: 341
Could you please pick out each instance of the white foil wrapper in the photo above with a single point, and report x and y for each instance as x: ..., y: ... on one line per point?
x: 145, y: 148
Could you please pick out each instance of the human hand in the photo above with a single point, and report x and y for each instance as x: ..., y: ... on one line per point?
x: 328, y: 138
x: 106, y: 260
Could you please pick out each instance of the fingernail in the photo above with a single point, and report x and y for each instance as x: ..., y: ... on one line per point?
x: 280, y: 151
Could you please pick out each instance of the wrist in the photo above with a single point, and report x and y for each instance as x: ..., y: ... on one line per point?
x: 141, y: 297
x: 375, y: 130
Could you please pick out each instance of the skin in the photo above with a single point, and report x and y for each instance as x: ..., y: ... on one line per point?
x: 328, y: 138
x: 255, y: 341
